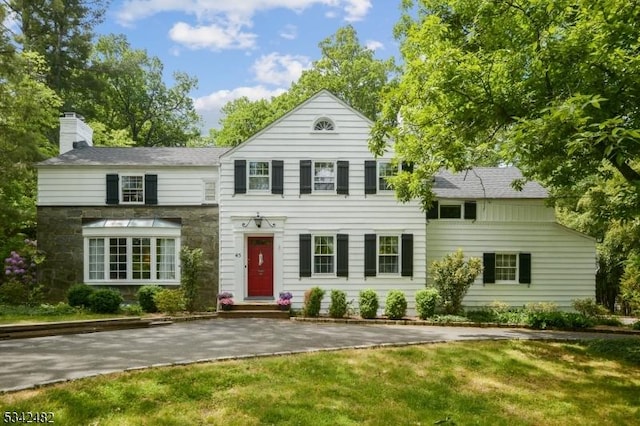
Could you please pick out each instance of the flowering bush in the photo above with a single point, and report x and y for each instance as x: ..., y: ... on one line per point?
x: 225, y: 295
x: 226, y: 301
x: 20, y: 269
x: 285, y: 299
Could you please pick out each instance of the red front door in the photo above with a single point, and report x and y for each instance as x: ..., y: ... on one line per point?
x: 260, y: 266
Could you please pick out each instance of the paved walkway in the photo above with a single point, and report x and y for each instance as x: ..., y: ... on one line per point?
x: 26, y: 363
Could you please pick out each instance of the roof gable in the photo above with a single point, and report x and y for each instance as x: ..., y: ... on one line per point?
x: 301, y: 107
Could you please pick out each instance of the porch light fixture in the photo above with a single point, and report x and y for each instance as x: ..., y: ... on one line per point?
x: 257, y: 219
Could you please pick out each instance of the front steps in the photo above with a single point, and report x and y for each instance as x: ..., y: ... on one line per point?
x: 254, y: 310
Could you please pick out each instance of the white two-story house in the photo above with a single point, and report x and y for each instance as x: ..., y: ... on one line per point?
x: 304, y: 203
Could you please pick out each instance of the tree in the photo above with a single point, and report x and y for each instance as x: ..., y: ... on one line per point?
x: 28, y: 111
x: 550, y: 86
x: 130, y: 94
x: 345, y: 68
x: 452, y: 276
x: 61, y: 31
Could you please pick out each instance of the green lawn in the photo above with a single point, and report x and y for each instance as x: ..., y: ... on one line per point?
x: 492, y: 383
x: 47, y: 313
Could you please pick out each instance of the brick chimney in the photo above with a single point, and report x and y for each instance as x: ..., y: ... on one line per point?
x: 74, y: 130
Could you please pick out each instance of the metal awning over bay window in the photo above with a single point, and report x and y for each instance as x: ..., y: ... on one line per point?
x: 131, y: 251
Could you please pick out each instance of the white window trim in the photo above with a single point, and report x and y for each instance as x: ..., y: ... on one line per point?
x: 313, y: 256
x: 399, y: 255
x: 451, y: 203
x: 249, y: 176
x: 120, y: 188
x: 129, y: 234
x: 495, y: 267
x: 378, y: 169
x: 205, y: 182
x: 335, y: 178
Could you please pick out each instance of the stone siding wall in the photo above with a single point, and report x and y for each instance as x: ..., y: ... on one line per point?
x: 60, y: 237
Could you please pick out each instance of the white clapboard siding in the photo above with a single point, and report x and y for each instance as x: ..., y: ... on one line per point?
x: 563, y: 262
x: 292, y: 139
x: 86, y: 186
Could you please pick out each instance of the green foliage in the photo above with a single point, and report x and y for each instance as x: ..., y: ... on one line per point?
x: 498, y: 312
x: 345, y: 68
x: 145, y: 297
x: 453, y: 276
x: 170, y: 301
x: 549, y: 86
x: 630, y: 284
x: 129, y: 94
x: 635, y: 325
x: 189, y: 279
x: 589, y: 308
x: 540, y: 307
x: 560, y: 320
x: 132, y: 310
x: 78, y: 295
x: 13, y: 293
x: 627, y: 349
x: 338, y: 306
x: 368, y: 303
x: 312, y: 302
x: 105, y: 301
x: 427, y: 301
x: 395, y: 305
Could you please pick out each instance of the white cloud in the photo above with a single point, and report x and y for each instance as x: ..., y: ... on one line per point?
x: 214, y: 36
x: 280, y: 70
x: 289, y: 32
x: 209, y: 106
x: 374, y: 45
x: 222, y: 23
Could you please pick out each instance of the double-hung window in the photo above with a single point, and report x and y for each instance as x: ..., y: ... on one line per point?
x: 388, y: 254
x: 506, y: 267
x: 385, y: 171
x: 323, y: 254
x: 132, y: 189
x: 258, y: 176
x: 324, y: 177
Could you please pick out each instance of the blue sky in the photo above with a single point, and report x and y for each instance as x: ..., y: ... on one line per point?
x: 252, y: 48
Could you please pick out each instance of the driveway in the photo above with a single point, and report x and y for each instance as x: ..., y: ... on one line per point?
x: 33, y: 362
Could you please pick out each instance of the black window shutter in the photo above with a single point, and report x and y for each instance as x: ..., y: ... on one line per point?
x: 240, y: 177
x: 470, y: 210
x: 432, y: 213
x: 151, y: 189
x: 525, y: 268
x: 343, y: 255
x: 407, y: 255
x: 277, y: 177
x: 112, y: 189
x: 305, y: 176
x: 407, y: 166
x: 489, y: 268
x: 370, y: 255
x: 305, y: 255
x: 370, y: 177
x: 343, y: 178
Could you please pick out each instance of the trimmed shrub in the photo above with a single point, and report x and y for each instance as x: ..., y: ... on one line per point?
x: 368, y: 303
x: 105, y: 301
x: 427, y: 301
x: 589, y: 308
x: 312, y: 302
x: 396, y: 305
x: 13, y: 293
x: 78, y: 295
x: 338, y: 306
x: 453, y: 276
x: 170, y: 301
x: 145, y: 297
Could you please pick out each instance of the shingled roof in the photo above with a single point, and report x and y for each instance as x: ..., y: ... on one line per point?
x: 107, y: 156
x: 485, y: 182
